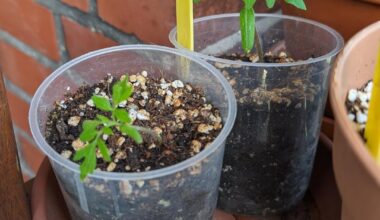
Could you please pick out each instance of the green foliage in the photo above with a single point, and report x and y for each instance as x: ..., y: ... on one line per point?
x: 93, y: 130
x: 247, y: 20
x: 297, y: 3
x: 270, y: 3
x: 247, y: 25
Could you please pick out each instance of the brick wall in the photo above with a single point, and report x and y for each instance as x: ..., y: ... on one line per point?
x: 36, y: 36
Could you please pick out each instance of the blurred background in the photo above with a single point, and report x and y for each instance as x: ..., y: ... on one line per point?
x: 36, y: 36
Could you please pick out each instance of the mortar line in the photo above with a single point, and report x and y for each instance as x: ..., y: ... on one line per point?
x: 10, y: 86
x: 25, y: 168
x: 93, y: 7
x: 61, y: 43
x: 28, y: 50
x: 88, y: 20
x: 24, y: 134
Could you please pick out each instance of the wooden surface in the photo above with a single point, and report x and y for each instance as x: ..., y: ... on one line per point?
x: 13, y: 200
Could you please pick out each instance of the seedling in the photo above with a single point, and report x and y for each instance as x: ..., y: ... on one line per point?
x: 93, y: 130
x: 248, y: 24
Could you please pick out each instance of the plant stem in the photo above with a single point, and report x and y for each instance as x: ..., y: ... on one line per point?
x: 259, y: 49
x: 150, y: 132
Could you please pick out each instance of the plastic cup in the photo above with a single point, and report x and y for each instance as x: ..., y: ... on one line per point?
x: 187, y: 190
x: 270, y: 151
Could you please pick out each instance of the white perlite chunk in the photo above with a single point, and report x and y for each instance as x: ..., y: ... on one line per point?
x: 77, y: 144
x: 140, y: 183
x: 203, y: 128
x: 351, y: 117
x: 126, y: 188
x: 177, y: 84
x: 132, y: 78
x: 142, y: 114
x: 352, y: 95
x: 144, y: 73
x: 363, y: 97
x: 123, y: 104
x: 66, y: 154
x: 368, y: 88
x: 111, y: 167
x: 90, y: 103
x: 105, y: 137
x: 164, y: 203
x: 157, y: 130
x: 164, y: 85
x: 145, y: 95
x: 120, y: 141
x: 74, y: 121
x: 196, y: 146
x: 132, y: 114
x: 361, y: 118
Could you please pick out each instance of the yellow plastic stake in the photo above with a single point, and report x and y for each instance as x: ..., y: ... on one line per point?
x: 185, y: 29
x: 372, y: 131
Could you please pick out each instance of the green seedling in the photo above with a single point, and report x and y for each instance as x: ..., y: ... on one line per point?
x: 248, y: 24
x: 93, y: 130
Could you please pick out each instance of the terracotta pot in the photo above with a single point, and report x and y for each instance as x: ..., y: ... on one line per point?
x: 345, y: 16
x: 357, y: 174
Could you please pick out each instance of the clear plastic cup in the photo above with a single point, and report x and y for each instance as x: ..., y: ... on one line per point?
x: 187, y: 190
x: 270, y: 151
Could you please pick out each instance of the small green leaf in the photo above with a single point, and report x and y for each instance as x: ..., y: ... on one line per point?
x: 104, y: 150
x: 297, y: 3
x: 81, y: 153
x: 196, y: 1
x: 131, y: 132
x: 102, y: 103
x: 89, y: 162
x: 87, y: 135
x: 90, y: 125
x: 122, y: 115
x: 247, y: 27
x: 121, y: 91
x: 107, y: 131
x: 103, y: 119
x: 117, y: 90
x: 270, y: 3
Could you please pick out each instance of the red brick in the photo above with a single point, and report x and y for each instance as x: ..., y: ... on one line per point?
x: 32, y: 155
x: 19, y: 111
x: 21, y: 69
x: 31, y: 23
x: 81, y: 4
x: 80, y: 40
x: 152, y: 20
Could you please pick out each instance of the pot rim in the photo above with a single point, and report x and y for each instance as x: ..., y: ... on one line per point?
x: 339, y: 109
x: 216, y: 144
x: 338, y: 38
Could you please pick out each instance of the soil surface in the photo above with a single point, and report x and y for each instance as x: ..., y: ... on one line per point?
x: 178, y: 112
x: 270, y: 151
x: 282, y: 57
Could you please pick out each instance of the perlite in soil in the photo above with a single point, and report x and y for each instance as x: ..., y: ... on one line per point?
x: 175, y: 121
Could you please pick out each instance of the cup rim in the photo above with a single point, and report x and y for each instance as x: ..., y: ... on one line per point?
x: 53, y: 155
x: 339, y: 41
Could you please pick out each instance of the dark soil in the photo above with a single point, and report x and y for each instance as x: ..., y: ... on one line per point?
x: 268, y: 57
x: 270, y: 151
x: 178, y: 112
